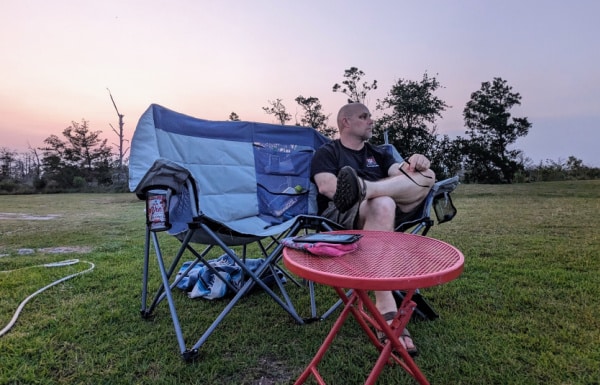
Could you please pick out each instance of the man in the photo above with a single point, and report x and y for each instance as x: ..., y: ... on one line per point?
x: 363, y: 187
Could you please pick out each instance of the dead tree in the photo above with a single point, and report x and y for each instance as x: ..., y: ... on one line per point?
x: 119, y: 133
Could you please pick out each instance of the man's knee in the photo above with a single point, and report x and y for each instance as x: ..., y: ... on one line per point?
x: 381, y: 207
x: 377, y: 214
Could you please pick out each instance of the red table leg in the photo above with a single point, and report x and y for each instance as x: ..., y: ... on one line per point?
x: 312, y: 367
x: 372, y: 317
x: 393, y: 333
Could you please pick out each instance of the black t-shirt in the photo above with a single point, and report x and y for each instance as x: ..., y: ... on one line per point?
x: 371, y: 163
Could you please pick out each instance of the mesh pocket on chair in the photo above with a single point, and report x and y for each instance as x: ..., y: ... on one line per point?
x: 288, y: 203
x: 443, y: 207
x: 283, y: 179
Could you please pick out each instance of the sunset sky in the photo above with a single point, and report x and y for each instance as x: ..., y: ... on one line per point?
x: 210, y: 58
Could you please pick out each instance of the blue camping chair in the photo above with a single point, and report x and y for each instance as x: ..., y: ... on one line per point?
x: 227, y: 185
x: 222, y: 184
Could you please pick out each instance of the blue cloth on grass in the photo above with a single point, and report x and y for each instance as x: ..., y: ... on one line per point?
x: 200, y: 282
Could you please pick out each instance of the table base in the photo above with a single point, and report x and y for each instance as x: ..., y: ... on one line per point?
x: 390, y: 352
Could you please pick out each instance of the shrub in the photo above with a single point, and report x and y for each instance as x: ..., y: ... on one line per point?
x: 79, y: 182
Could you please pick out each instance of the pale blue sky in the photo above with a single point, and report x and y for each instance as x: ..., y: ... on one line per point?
x: 209, y: 58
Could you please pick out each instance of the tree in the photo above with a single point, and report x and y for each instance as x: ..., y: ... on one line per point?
x: 491, y: 130
x: 86, y: 149
x: 7, y: 160
x: 576, y: 169
x: 277, y: 109
x: 120, y: 134
x: 409, y: 108
x: 313, y: 115
x: 446, y: 157
x: 82, y: 154
x: 356, y: 92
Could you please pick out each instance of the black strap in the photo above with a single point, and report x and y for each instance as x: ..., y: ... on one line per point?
x: 409, y: 177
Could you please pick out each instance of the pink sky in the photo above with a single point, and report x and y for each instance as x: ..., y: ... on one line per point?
x: 209, y: 58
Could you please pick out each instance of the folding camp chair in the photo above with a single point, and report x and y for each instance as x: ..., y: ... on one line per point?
x: 222, y: 185
x: 226, y: 185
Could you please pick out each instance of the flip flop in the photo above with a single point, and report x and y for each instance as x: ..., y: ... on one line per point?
x: 350, y: 189
x: 413, y: 352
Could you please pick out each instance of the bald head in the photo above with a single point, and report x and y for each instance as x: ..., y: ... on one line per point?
x: 349, y: 110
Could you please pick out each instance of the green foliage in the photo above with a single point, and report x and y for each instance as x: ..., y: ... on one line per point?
x: 572, y: 169
x: 277, y: 109
x: 409, y: 108
x: 7, y: 161
x: 446, y: 157
x: 351, y: 87
x: 39, y: 183
x: 79, y: 182
x: 82, y: 154
x: 8, y: 185
x: 313, y: 115
x: 491, y: 130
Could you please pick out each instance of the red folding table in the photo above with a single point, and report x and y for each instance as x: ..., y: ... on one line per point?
x: 383, y: 261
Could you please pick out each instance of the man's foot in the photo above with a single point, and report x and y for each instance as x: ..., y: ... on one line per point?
x: 350, y: 189
x: 405, y: 338
x: 408, y: 343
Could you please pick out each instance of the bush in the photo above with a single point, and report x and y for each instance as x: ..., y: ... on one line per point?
x: 39, y: 184
x: 8, y: 185
x: 79, y: 182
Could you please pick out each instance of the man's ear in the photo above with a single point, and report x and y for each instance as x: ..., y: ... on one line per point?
x: 345, y: 122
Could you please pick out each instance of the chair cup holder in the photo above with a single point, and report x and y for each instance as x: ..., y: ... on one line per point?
x: 157, y: 209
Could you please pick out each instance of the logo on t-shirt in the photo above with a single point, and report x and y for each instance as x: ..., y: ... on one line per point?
x: 371, y: 162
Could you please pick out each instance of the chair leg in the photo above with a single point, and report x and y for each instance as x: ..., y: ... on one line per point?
x: 169, y: 295
x: 424, y: 311
x: 144, y: 312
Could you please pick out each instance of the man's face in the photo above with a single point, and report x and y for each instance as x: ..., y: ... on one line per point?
x: 360, y: 123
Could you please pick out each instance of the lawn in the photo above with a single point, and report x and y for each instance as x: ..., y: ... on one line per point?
x: 524, y: 311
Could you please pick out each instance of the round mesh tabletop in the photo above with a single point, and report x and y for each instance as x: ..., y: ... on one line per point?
x: 383, y: 261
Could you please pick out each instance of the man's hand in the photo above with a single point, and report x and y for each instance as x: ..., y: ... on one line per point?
x: 418, y: 162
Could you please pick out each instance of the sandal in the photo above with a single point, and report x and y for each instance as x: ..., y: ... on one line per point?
x: 348, y: 190
x: 404, y: 337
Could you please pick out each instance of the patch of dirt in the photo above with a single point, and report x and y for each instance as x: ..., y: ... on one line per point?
x: 55, y: 250
x: 65, y: 250
x: 270, y: 371
x: 28, y: 217
x: 273, y: 372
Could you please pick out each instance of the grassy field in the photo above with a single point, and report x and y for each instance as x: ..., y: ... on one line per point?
x: 525, y: 310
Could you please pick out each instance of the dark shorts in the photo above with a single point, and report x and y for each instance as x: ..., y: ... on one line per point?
x: 349, y: 218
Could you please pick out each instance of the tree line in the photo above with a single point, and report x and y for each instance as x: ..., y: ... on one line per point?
x: 406, y: 117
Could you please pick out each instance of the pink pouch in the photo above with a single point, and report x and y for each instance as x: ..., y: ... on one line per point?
x: 321, y: 248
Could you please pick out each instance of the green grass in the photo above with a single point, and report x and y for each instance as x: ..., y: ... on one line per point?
x: 524, y: 311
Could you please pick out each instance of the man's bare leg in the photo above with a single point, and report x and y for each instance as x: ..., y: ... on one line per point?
x: 407, y: 193
x: 379, y: 214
